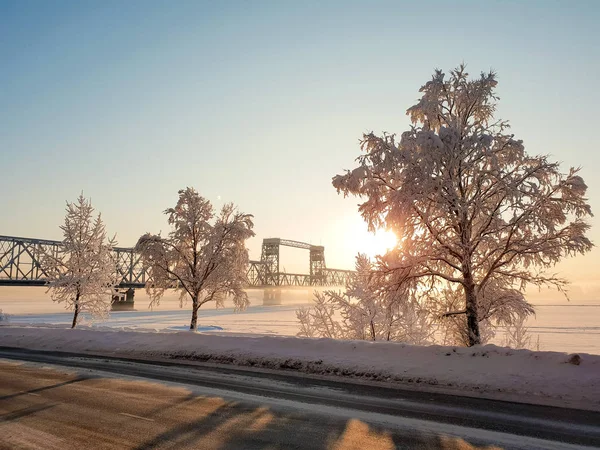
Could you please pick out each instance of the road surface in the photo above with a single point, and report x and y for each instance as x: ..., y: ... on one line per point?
x: 58, y: 401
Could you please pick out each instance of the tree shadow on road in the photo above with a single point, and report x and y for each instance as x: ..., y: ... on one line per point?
x: 219, y: 424
x: 45, y: 388
x: 15, y: 415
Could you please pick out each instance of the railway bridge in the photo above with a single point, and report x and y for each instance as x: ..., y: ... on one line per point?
x: 21, y: 265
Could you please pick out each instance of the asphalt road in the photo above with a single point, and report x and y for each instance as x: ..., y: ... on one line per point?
x: 68, y: 401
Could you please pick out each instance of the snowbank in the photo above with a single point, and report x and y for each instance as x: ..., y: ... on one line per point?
x: 490, y: 371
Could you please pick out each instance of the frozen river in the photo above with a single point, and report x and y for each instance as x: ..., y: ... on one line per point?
x: 571, y: 327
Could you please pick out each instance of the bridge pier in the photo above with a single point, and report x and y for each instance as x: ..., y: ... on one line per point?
x: 123, y: 301
x: 272, y: 296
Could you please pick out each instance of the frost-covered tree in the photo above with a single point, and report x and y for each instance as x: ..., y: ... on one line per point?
x: 83, y: 273
x: 517, y: 336
x: 204, y: 257
x: 472, y: 210
x: 4, y: 317
x: 365, y: 311
x: 496, y: 307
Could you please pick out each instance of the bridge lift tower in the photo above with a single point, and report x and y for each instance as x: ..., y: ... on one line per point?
x: 270, y: 258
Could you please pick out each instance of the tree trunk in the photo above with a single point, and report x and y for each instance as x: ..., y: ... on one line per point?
x: 76, y: 313
x: 472, y: 317
x: 195, y: 306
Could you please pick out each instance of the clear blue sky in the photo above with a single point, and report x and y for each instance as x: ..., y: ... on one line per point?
x: 261, y: 103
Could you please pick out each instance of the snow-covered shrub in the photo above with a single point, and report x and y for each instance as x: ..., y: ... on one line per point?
x: 4, y: 317
x: 366, y: 312
x: 518, y: 336
x: 497, y: 308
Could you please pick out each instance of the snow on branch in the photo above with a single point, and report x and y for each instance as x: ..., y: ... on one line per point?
x: 366, y: 312
x: 204, y: 257
x: 83, y: 274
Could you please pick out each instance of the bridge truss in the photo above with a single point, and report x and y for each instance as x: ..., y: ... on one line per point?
x: 21, y: 262
x: 21, y: 265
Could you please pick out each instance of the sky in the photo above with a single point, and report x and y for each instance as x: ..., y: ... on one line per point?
x: 262, y: 103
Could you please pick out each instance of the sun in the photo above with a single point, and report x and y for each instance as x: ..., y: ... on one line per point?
x: 377, y: 243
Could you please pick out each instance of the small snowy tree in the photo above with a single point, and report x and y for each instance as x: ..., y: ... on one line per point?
x: 83, y: 273
x: 470, y: 207
x: 366, y: 312
x: 4, y: 317
x: 518, y: 336
x: 204, y: 257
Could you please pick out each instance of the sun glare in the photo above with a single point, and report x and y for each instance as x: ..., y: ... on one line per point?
x: 377, y: 243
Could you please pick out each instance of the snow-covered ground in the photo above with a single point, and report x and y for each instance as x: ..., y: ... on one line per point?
x: 566, y: 328
x: 490, y: 371
x: 272, y: 320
